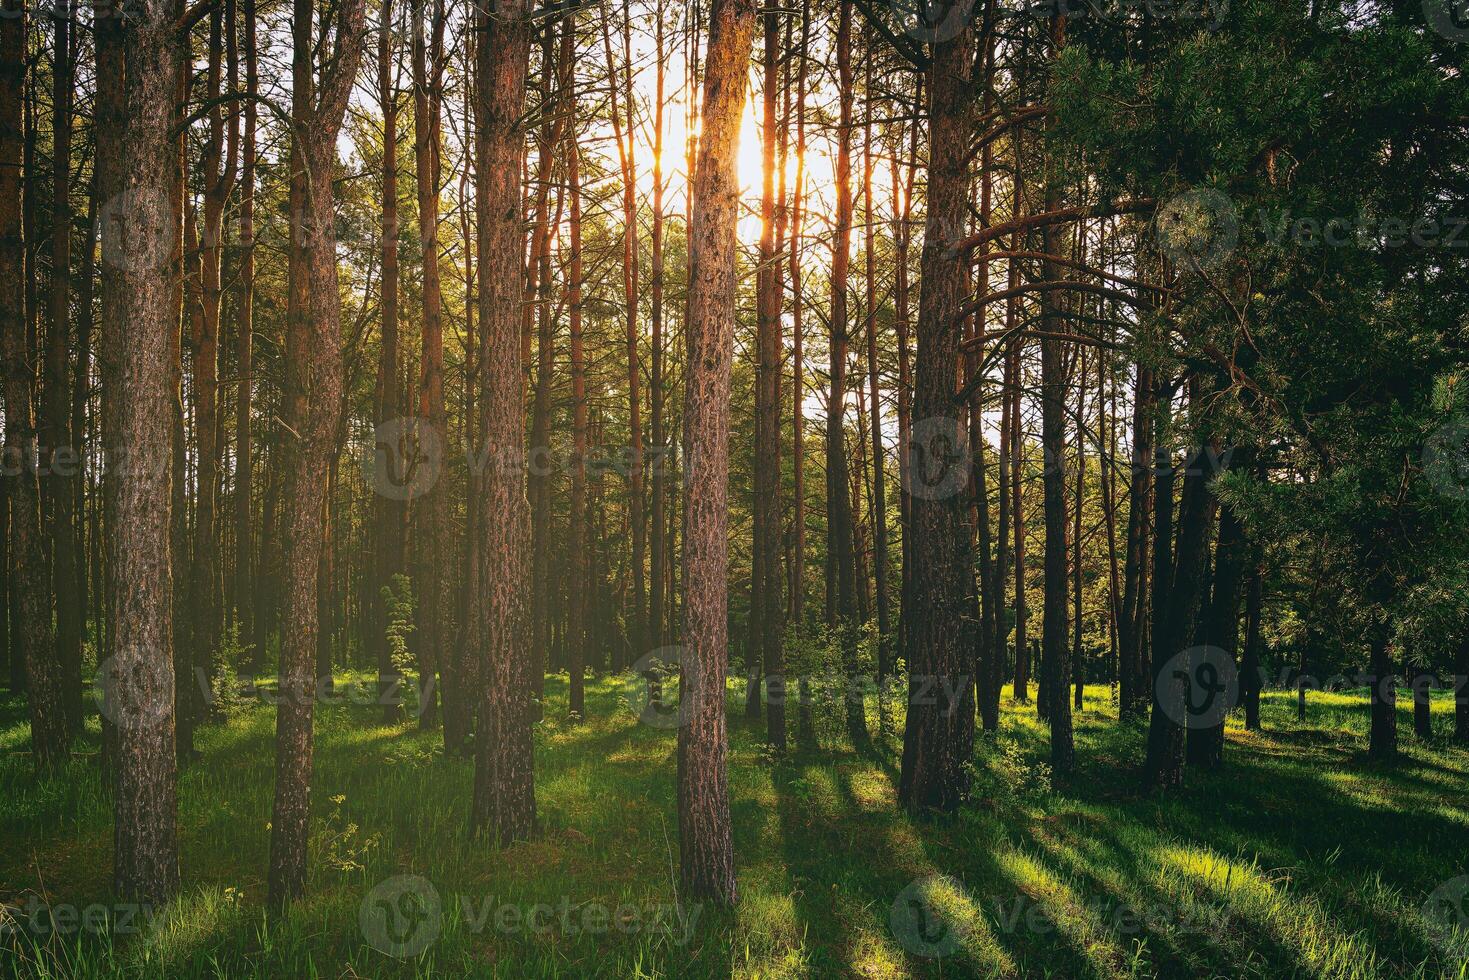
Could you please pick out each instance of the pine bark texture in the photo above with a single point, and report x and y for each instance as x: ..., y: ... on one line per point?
x: 504, y: 803
x: 939, y: 738
x: 706, y: 849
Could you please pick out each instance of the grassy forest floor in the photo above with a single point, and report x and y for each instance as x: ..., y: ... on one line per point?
x: 1300, y: 859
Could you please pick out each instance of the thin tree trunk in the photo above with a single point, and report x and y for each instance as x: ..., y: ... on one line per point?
x: 1254, y: 642
x: 623, y: 131
x: 218, y: 166
x: 706, y: 849
x: 432, y: 544
x: 879, y: 465
x: 840, y: 558
x: 1132, y: 641
x: 245, y: 599
x: 1461, y: 694
x: 58, y: 451
x: 902, y: 315
x: 1055, y: 655
x: 767, y: 636
x: 659, y: 556
x: 388, y: 397
x: 581, y: 538
x: 805, y: 723
x: 1078, y: 658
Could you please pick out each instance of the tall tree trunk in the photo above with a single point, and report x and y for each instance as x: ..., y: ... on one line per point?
x: 939, y: 738
x: 767, y: 635
x: 432, y: 544
x: 1382, y: 744
x: 578, y: 593
x: 1055, y: 656
x: 841, y: 573
x: 313, y: 409
x: 1461, y: 694
x: 1013, y: 375
x: 50, y: 733
x: 1078, y: 499
x: 903, y: 215
x: 245, y: 599
x: 1220, y: 622
x: 1254, y: 642
x: 140, y: 404
x: 659, y: 551
x: 1173, y: 637
x: 986, y: 650
x: 1422, y: 703
x: 805, y: 724
x: 218, y: 166
x: 1133, y: 695
x: 706, y: 848
x: 388, y: 395
x: 504, y: 804
x: 58, y: 452
x: 879, y: 458
x: 462, y: 704
x: 624, y: 133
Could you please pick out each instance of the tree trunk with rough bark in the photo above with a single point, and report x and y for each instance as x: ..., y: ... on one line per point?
x: 504, y: 803
x: 59, y: 457
x: 766, y: 636
x: 244, y: 591
x: 939, y: 737
x: 137, y: 241
x: 841, y: 574
x: 705, y: 844
x: 1173, y: 638
x: 392, y: 440
x: 313, y: 409
x: 432, y: 544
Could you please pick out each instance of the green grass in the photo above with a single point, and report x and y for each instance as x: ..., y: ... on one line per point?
x: 1300, y: 859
